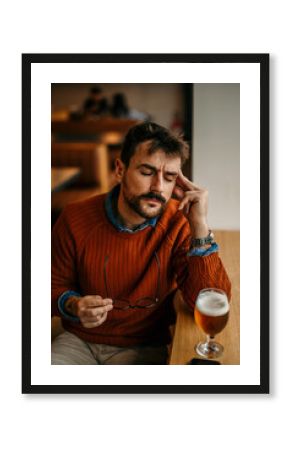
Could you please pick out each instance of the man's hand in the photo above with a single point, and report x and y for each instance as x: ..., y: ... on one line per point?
x: 194, y: 203
x: 92, y: 310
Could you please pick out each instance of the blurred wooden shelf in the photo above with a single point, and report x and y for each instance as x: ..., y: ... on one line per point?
x: 91, y: 126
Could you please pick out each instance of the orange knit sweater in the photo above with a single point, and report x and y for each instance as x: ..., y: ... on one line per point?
x: 83, y: 239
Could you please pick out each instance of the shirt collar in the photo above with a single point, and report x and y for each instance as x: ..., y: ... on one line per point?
x: 111, y: 211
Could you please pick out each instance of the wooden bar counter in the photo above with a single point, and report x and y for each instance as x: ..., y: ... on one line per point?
x: 187, y: 334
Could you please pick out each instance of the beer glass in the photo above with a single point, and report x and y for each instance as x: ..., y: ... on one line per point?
x: 211, y: 314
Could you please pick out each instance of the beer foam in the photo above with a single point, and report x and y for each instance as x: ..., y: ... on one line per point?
x: 212, y: 304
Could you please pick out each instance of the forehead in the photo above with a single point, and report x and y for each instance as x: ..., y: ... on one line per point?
x: 158, y: 158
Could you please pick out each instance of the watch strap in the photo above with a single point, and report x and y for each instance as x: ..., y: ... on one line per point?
x: 199, y: 242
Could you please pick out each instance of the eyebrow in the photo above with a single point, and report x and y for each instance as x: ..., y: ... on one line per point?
x: 154, y: 169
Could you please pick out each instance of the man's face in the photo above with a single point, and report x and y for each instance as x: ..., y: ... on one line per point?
x: 148, y: 182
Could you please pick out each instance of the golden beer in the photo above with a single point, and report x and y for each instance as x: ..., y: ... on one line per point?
x: 211, y: 312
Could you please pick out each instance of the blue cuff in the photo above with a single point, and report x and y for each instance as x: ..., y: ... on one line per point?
x: 203, y: 251
x: 61, y: 301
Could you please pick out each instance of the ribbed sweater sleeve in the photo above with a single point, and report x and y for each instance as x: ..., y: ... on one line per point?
x: 197, y: 272
x: 63, y: 272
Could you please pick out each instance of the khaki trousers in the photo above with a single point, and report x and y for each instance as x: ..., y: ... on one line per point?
x: 68, y: 349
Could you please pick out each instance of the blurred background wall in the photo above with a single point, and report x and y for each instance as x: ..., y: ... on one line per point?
x: 216, y: 150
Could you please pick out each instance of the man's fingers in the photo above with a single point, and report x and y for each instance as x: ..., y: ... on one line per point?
x: 94, y: 319
x: 186, y: 208
x: 183, y: 203
x: 182, y: 184
x: 95, y: 323
x: 188, y: 197
x: 94, y: 312
x: 178, y: 193
x: 185, y: 183
x: 94, y: 300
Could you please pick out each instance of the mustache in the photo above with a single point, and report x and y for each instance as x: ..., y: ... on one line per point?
x: 154, y: 196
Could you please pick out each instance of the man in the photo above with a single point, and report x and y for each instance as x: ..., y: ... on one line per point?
x: 96, y: 104
x: 117, y: 259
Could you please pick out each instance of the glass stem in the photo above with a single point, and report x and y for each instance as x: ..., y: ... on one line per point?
x: 209, y: 339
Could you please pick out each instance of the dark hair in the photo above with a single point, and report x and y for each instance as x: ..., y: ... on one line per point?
x: 160, y: 137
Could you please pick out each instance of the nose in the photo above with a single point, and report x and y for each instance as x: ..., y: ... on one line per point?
x: 157, y: 183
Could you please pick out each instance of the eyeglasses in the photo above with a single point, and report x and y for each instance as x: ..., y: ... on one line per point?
x: 144, y: 302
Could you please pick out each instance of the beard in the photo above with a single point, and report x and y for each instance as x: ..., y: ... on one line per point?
x: 143, y: 209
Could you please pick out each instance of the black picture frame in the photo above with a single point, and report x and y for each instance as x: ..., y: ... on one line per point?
x: 263, y: 61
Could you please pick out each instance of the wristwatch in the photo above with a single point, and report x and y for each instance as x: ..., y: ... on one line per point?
x: 199, y: 242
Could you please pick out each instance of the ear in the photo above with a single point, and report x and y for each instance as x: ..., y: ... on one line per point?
x: 119, y: 169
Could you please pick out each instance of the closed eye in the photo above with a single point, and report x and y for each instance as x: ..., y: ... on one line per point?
x: 170, y: 177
